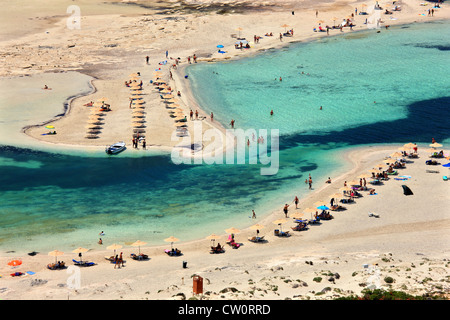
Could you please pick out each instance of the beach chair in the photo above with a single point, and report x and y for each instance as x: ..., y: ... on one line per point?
x: 217, y: 250
x: 173, y: 252
x: 256, y: 239
x: 83, y: 263
x: 139, y: 257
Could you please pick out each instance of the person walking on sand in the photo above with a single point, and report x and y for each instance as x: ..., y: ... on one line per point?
x: 296, y: 202
x: 116, y: 261
x: 285, y: 210
x: 143, y: 144
x: 121, y: 259
x: 212, y: 117
x: 147, y: 58
x: 191, y: 115
x: 253, y: 214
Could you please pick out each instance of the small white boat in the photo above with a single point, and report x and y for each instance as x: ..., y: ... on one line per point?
x: 115, y: 148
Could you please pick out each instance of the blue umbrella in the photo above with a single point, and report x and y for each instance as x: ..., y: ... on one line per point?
x: 220, y: 46
x: 323, y: 208
x: 446, y: 165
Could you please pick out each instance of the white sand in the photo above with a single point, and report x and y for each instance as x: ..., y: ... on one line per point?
x: 409, y: 241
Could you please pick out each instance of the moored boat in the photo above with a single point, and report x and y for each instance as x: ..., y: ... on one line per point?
x: 115, y: 148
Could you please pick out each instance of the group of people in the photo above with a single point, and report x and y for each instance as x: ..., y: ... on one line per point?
x: 135, y: 141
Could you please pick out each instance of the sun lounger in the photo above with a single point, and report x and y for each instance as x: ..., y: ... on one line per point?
x: 173, y: 253
x: 140, y: 256
x: 83, y: 263
x: 279, y: 233
x: 217, y: 250
x: 56, y: 266
x: 299, y: 227
x: 256, y: 239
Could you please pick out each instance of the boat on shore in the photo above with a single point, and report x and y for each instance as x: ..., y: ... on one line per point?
x: 115, y: 148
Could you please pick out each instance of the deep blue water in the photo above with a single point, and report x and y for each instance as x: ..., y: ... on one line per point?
x: 57, y: 201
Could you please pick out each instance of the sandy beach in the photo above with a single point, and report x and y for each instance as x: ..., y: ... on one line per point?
x: 407, y: 242
x: 110, y: 53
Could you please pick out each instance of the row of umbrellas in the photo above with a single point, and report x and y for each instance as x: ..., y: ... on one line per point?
x: 171, y: 103
x: 138, y: 105
x: 115, y: 246
x: 94, y: 123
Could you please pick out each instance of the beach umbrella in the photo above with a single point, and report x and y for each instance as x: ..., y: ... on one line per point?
x: 80, y: 250
x: 310, y: 210
x: 167, y: 96
x: 337, y: 195
x: 114, y: 247
x: 354, y: 183
x: 323, y: 208
x: 285, y: 26
x: 50, y: 127
x: 320, y: 21
x: 409, y: 145
x: 220, y: 46
x: 239, y: 29
x: 55, y: 253
x: 133, y: 75
x: 396, y: 155
x: 257, y: 226
x: 320, y: 203
x: 364, y: 175
x: 171, y: 239
x: 279, y: 222
x: 170, y: 100
x: 297, y: 215
x: 345, y: 189
x: 138, y: 244
x: 435, y: 145
x: 232, y: 230
x: 213, y: 237
x: 15, y: 263
x: 334, y: 20
x: 103, y: 99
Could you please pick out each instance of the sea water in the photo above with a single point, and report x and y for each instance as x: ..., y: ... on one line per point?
x: 387, y: 87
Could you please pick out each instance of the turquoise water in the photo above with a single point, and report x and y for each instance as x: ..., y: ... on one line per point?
x: 53, y: 200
